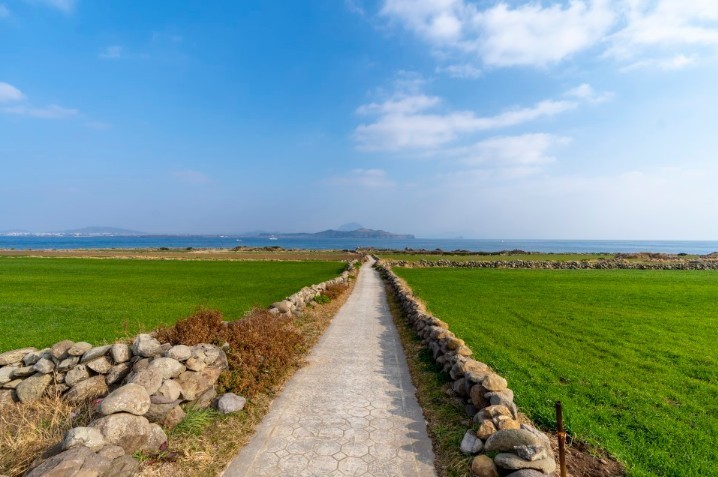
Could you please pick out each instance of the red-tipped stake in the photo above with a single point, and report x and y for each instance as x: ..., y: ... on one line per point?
x: 561, y: 438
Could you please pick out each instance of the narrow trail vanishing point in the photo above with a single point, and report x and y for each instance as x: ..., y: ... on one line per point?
x: 352, y: 411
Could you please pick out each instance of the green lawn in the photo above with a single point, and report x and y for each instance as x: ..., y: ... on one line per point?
x: 632, y: 354
x: 44, y: 300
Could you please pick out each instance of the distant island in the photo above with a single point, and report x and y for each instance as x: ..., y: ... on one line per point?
x: 363, y: 233
x: 83, y: 232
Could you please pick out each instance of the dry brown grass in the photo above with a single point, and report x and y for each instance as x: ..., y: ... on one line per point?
x: 28, y: 430
x: 265, y: 351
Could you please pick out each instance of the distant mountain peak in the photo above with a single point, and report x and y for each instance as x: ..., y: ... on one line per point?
x: 350, y: 227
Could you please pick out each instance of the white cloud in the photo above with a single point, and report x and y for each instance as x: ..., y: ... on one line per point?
x: 462, y: 71
x: 674, y: 63
x: 52, y: 111
x: 191, y: 177
x: 586, y: 92
x: 4, y: 12
x: 10, y: 93
x: 404, y: 122
x: 526, y: 149
x: 532, y: 33
x: 111, y: 52
x: 368, y: 178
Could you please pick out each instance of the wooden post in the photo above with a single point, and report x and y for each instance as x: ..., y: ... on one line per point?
x: 561, y: 438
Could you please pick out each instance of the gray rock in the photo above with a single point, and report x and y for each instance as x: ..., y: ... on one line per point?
x: 87, y: 389
x: 194, y: 383
x: 83, y: 436
x: 12, y: 384
x: 120, y: 353
x: 179, y: 352
x: 169, y: 367
x: 125, y: 430
x: 68, y: 363
x: 494, y: 382
x: 100, y: 365
x: 230, y: 403
x: 59, y: 350
x: 146, y: 346
x: 159, y: 410
x: 150, y: 379
x: 35, y: 356
x: 57, y: 389
x: 514, y: 462
x: 78, y: 461
x: 170, y: 389
x: 15, y: 356
x: 23, y: 372
x: 471, y: 444
x: 33, y: 387
x: 131, y: 398
x: 117, y: 373
x: 506, y: 440
x: 205, y: 399
x: 125, y: 466
x: 44, y: 366
x: 174, y: 417
x: 112, y: 452
x: 78, y: 349
x: 284, y: 306
x: 77, y: 374
x: 7, y: 396
x: 156, y: 440
x: 540, y: 435
x: 531, y: 452
x: 196, y: 363
x: 6, y: 374
x: 138, y: 364
x: 95, y: 353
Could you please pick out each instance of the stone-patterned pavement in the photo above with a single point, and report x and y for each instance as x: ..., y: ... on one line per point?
x: 352, y: 410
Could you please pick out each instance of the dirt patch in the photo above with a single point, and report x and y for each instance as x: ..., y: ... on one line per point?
x: 583, y: 461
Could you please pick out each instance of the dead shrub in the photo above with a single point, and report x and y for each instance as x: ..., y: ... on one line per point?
x: 335, y: 291
x: 28, y: 430
x: 261, y: 348
x: 205, y: 326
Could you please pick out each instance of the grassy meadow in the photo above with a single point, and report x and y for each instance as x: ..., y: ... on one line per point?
x: 44, y: 300
x: 632, y: 354
x: 558, y: 257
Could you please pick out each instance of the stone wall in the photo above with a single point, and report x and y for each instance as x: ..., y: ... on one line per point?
x: 519, y: 449
x: 141, y: 389
x: 618, y: 264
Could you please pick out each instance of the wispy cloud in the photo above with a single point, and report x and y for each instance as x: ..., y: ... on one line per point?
x: 674, y: 63
x: 191, y: 177
x: 9, y: 93
x: 368, y: 178
x: 463, y: 71
x: 528, y: 33
x: 52, y: 111
x: 111, y: 52
x: 407, y: 121
x: 586, y: 92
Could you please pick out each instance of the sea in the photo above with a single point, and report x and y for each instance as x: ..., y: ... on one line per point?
x: 27, y: 242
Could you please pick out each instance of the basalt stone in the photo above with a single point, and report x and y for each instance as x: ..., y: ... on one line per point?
x: 78, y: 461
x: 526, y: 473
x: 531, y: 452
x: 35, y: 356
x: 179, y: 352
x: 174, y: 417
x: 77, y: 374
x: 140, y: 364
x: 95, y: 353
x: 156, y: 440
x: 196, y: 363
x: 32, y: 388
x: 6, y: 374
x: 44, y: 366
x: 23, y: 372
x: 170, y: 389
x: 15, y: 356
x: 494, y: 382
x: 150, y: 379
x: 158, y: 411
x: 130, y: 398
x: 68, y: 363
x: 205, y: 399
x: 506, y: 440
x: 125, y: 466
x: 87, y: 389
x: 146, y: 346
x: 120, y: 353
x: 78, y: 349
x: 7, y: 396
x: 230, y: 403
x: 486, y: 430
x: 117, y: 373
x: 83, y: 436
x: 168, y: 367
x: 495, y: 411
x: 471, y: 444
x: 100, y: 365
x: 125, y: 430
x: 514, y: 462
x: 195, y: 383
x: 59, y: 350
x: 112, y: 452
x: 483, y: 466
x: 478, y: 399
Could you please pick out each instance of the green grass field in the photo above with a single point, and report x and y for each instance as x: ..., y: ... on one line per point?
x: 44, y: 300
x: 632, y: 354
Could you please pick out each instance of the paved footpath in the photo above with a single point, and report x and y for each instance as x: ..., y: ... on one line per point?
x: 352, y: 410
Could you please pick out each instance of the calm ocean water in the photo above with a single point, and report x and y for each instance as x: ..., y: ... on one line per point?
x: 175, y: 241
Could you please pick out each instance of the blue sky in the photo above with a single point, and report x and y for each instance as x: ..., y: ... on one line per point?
x: 588, y: 119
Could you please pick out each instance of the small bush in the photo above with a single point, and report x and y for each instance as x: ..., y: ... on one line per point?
x: 322, y: 299
x: 334, y: 291
x: 205, y: 326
